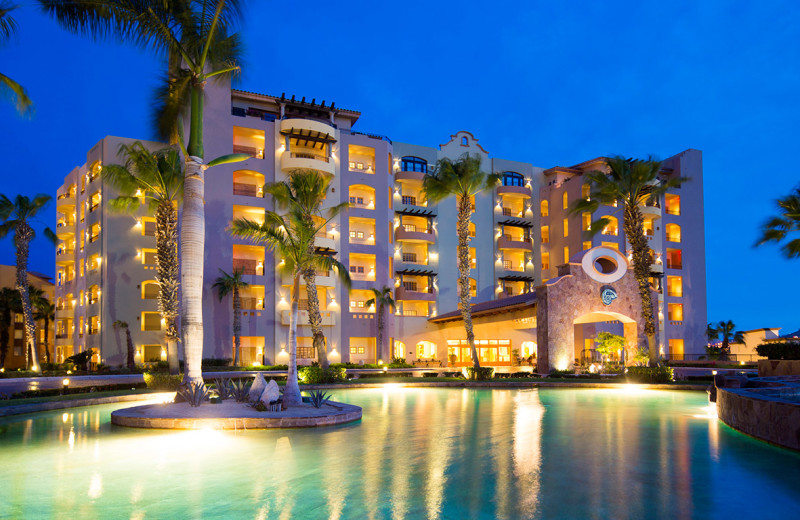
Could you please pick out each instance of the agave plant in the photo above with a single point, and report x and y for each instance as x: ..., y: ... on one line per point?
x: 319, y: 398
x: 239, y: 389
x: 194, y: 393
x: 223, y: 387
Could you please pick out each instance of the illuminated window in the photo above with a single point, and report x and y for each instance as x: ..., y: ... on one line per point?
x: 612, y: 245
x: 566, y: 228
x: 676, y: 349
x: 675, y: 286
x: 473, y: 288
x: 148, y: 256
x: 565, y: 200
x: 151, y: 353
x: 586, y: 221
x: 545, y: 260
x: 587, y: 245
x: 585, y: 191
x: 249, y: 141
x: 148, y: 226
x: 672, y: 203
x: 150, y: 290
x: 151, y: 321
x: 544, y: 208
x: 545, y: 234
x: 674, y: 258
x: 673, y: 232
x: 612, y: 228
x: 566, y: 254
x: 648, y: 227
x: 675, y: 311
x: 248, y: 183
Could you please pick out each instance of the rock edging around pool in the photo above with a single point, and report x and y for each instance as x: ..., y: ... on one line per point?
x: 763, y: 415
x: 230, y: 415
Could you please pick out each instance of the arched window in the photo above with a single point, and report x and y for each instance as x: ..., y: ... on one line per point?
x: 464, y: 141
x: 513, y: 179
x: 528, y: 349
x: 150, y: 290
x: 399, y: 349
x: 414, y: 164
x: 673, y: 232
x: 545, y: 208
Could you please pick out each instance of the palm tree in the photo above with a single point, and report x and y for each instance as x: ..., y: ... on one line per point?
x: 10, y: 303
x: 727, y: 329
x: 230, y: 284
x: 381, y: 299
x: 45, y: 311
x: 291, y: 237
x: 712, y: 333
x: 199, y: 43
x: 632, y: 183
x: 157, y: 179
x: 16, y: 216
x: 777, y: 229
x: 119, y: 324
x: 8, y: 27
x: 303, y: 195
x: 463, y: 179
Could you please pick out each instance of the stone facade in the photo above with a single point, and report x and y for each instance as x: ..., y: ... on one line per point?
x: 759, y: 413
x: 574, y: 295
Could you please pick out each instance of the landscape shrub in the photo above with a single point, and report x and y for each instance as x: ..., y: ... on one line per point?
x: 159, y: 381
x: 315, y: 375
x: 562, y: 373
x: 384, y: 374
x: 479, y: 373
x: 650, y: 374
x: 399, y: 363
x: 788, y: 351
x: 216, y: 362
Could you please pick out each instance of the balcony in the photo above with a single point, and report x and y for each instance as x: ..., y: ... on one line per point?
x: 66, y: 312
x: 410, y: 234
x: 297, y: 126
x: 409, y: 176
x: 325, y: 241
x: 650, y: 211
x: 509, y: 242
x: 65, y: 201
x: 401, y: 293
x: 656, y: 268
x: 514, y: 191
x: 328, y: 318
x: 65, y: 230
x: 293, y: 160
x: 65, y: 256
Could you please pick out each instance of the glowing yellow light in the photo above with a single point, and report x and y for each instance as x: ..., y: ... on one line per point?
x: 69, y: 372
x: 713, y: 372
x: 65, y: 382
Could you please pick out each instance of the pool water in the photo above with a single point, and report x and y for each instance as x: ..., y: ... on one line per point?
x: 417, y: 453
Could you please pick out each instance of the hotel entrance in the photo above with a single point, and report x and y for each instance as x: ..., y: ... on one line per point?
x: 491, y: 352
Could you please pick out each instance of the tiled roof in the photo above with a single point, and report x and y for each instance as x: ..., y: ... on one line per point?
x: 490, y: 307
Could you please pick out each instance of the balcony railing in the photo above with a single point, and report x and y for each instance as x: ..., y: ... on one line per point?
x: 508, y: 212
x: 250, y: 267
x: 673, y: 264
x: 307, y: 155
x: 247, y: 190
x: 95, y: 238
x: 251, y: 304
x: 361, y: 167
x: 410, y: 258
x: 252, y: 151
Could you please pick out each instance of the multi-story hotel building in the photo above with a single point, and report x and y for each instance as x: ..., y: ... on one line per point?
x: 390, y: 236
x: 14, y: 356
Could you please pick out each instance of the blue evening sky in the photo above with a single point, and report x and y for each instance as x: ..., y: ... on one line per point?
x: 552, y: 83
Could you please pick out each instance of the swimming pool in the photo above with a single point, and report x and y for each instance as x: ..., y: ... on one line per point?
x: 417, y: 453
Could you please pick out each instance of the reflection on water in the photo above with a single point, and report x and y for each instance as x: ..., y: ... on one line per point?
x: 417, y: 453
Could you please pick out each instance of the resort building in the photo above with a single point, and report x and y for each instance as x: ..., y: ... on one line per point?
x: 522, y: 239
x: 13, y: 352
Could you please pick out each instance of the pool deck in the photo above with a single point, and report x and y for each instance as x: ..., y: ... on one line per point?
x: 230, y: 415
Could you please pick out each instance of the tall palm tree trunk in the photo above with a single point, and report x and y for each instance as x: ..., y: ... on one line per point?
x: 22, y: 237
x: 381, y: 350
x: 464, y: 210
x: 291, y: 394
x: 167, y: 272
x: 193, y: 238
x: 46, y: 338
x: 237, y: 327
x: 131, y: 351
x: 314, y: 316
x: 634, y: 230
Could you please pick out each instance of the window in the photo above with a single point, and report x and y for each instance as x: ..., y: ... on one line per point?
x: 566, y: 255
x: 414, y: 164
x: 648, y: 227
x: 153, y: 353
x: 356, y: 268
x: 587, y: 245
x: 676, y: 348
x: 544, y: 208
x: 148, y: 256
x: 148, y: 227
x: 473, y: 288
x: 566, y: 228
x: 545, y: 260
x: 410, y: 257
x: 150, y: 290
x: 586, y: 190
x: 306, y: 352
x: 673, y: 232
x: 151, y: 321
x: 464, y: 141
x: 675, y: 286
x: 612, y: 228
x: 513, y: 179
x: 674, y: 259
x: 565, y: 200
x: 361, y: 158
x: 675, y: 311
x: 545, y: 234
x: 410, y: 286
x: 672, y: 203
x: 249, y: 141
x: 248, y: 183
x: 586, y: 221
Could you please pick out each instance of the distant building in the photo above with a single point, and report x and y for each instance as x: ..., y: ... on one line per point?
x: 15, y: 355
x: 522, y: 237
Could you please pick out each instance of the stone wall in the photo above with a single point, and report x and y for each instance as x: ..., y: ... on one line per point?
x: 565, y: 299
x: 778, y: 367
x: 764, y: 417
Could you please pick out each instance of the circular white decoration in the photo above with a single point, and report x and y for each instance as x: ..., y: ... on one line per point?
x: 604, y: 265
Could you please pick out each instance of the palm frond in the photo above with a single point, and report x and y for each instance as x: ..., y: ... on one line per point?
x: 18, y: 94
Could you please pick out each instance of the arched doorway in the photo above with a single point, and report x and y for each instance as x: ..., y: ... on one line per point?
x: 587, y: 327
